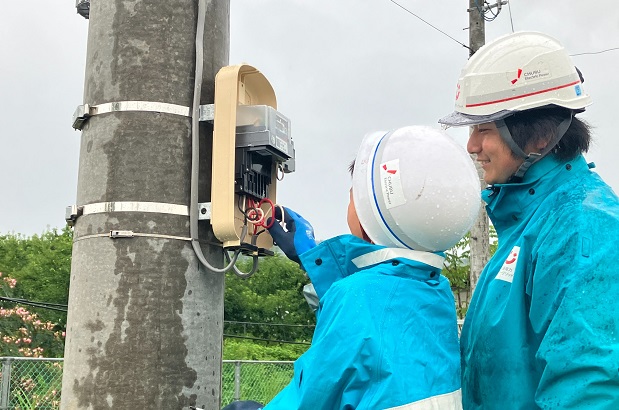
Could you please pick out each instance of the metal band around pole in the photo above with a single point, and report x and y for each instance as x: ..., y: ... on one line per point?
x: 127, y: 206
x: 84, y: 112
x: 131, y: 234
x: 148, y: 106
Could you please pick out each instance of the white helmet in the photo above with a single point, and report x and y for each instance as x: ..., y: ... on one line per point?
x: 516, y: 72
x: 415, y: 188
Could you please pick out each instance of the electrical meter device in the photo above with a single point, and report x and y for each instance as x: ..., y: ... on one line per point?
x: 252, y: 150
x: 262, y: 138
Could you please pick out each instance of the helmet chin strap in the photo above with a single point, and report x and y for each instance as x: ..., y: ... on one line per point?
x: 532, y: 157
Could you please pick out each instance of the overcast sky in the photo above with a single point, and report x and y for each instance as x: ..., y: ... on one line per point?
x: 340, y: 68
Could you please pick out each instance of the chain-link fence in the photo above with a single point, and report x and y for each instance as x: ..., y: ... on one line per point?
x: 31, y: 383
x: 254, y: 380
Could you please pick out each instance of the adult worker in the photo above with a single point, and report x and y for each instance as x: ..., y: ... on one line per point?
x: 542, y: 329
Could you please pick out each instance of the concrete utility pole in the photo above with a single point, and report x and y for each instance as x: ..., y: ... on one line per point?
x: 145, y: 321
x: 480, y: 236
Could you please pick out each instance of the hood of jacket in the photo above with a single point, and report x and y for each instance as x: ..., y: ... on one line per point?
x: 344, y: 255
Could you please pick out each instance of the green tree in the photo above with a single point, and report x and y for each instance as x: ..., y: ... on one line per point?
x: 457, y: 270
x: 239, y: 349
x: 270, y: 304
x: 41, y: 264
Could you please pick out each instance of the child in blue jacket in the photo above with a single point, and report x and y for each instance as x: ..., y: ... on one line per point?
x: 386, y: 333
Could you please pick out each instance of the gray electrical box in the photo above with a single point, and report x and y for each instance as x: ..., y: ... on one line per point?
x: 263, y: 145
x: 261, y: 127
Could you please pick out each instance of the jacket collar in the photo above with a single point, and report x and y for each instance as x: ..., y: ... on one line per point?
x: 344, y: 255
x: 507, y: 203
x: 387, y: 254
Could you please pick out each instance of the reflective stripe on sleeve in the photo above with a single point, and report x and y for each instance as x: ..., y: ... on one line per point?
x: 448, y: 401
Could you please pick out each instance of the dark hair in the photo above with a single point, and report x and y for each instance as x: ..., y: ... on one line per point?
x: 532, y: 126
x: 351, y: 167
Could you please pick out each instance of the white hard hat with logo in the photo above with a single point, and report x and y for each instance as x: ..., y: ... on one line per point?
x: 415, y: 188
x: 516, y: 72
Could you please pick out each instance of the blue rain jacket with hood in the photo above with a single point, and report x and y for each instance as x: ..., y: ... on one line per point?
x: 542, y: 330
x: 386, y: 332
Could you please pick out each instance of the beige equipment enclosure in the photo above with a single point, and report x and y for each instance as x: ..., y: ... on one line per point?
x: 236, y: 86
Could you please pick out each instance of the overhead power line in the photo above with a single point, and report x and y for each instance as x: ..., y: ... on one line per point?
x: 267, y: 340
x: 509, y: 7
x: 63, y: 308
x: 266, y: 324
x: 434, y: 27
x: 50, y: 306
x: 595, y: 52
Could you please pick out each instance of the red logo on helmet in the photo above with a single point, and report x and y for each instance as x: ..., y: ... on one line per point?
x: 519, y: 74
x: 458, y: 91
x: 390, y: 171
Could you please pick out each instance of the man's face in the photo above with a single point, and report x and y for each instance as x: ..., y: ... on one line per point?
x: 492, y: 153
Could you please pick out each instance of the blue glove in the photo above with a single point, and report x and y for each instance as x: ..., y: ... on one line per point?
x: 244, y: 405
x: 298, y: 236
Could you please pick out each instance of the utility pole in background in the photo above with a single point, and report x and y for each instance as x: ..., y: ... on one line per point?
x: 480, y: 236
x: 145, y: 320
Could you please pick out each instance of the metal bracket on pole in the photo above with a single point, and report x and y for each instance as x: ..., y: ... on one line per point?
x: 485, y: 7
x: 72, y: 213
x: 204, y: 211
x: 83, y: 8
x: 80, y: 116
x: 121, y: 234
x: 207, y: 112
x: 84, y: 112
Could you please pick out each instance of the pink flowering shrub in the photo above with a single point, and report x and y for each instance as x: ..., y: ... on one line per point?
x: 22, y: 333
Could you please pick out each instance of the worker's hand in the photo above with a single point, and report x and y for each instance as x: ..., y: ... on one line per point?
x: 243, y: 405
x: 298, y: 237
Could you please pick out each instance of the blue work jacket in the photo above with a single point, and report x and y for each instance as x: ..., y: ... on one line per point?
x: 385, y: 335
x: 542, y: 330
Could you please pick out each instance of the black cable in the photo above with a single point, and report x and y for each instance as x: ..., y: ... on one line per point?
x: 494, y: 15
x: 18, y: 300
x: 249, y: 218
x: 266, y: 324
x: 267, y: 340
x: 480, y: 11
x: 50, y: 306
x: 509, y: 7
x: 63, y: 308
x: 595, y: 52
x: 437, y: 29
x: 238, y: 204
